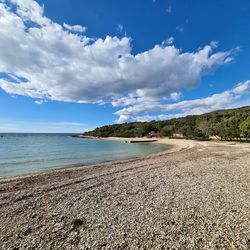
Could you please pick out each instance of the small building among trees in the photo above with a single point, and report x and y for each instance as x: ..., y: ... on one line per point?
x: 152, y: 134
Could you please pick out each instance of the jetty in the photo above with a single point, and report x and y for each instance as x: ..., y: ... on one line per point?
x: 140, y: 140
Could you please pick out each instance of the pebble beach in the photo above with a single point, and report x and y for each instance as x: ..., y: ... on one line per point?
x: 196, y: 196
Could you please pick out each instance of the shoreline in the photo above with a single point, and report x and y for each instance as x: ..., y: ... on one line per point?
x: 175, y: 145
x: 172, y: 148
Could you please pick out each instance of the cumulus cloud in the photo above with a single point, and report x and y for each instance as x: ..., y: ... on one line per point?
x: 227, y: 99
x: 168, y: 41
x: 74, y: 28
x: 64, y: 66
x: 48, y: 61
x: 175, y: 96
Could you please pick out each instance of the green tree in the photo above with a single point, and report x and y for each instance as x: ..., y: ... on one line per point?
x: 205, y: 127
x: 166, y: 131
x: 226, y: 124
x: 195, y: 133
x: 230, y: 129
x: 245, y: 128
x: 146, y: 128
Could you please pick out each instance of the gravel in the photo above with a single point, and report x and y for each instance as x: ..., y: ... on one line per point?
x: 196, y: 198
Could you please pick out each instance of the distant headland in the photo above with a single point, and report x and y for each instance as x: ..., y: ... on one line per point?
x: 228, y: 125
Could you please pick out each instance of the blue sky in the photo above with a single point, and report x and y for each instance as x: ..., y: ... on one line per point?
x: 69, y: 66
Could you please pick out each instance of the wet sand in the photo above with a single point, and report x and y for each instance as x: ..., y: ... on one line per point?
x: 195, y: 197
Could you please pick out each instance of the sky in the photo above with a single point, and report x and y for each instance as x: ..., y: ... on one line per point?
x: 71, y: 66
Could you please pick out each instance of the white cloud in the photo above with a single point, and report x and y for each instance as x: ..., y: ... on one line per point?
x: 169, y: 41
x: 39, y: 102
x: 242, y: 88
x: 74, y: 28
x: 119, y: 28
x: 180, y: 28
x: 227, y: 99
x: 48, y: 61
x: 127, y: 118
x: 175, y: 96
x: 60, y: 65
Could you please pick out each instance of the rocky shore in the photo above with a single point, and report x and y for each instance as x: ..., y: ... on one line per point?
x: 195, y: 198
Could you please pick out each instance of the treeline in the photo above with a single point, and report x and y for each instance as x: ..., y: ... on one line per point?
x: 233, y: 124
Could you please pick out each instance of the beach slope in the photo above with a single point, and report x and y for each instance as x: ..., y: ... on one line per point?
x: 197, y: 197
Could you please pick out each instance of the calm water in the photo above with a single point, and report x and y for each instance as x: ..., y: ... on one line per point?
x: 28, y: 153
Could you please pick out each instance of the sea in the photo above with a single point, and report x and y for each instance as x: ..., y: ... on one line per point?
x: 22, y: 154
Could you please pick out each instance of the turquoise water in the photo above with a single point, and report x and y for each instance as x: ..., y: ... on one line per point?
x: 29, y: 153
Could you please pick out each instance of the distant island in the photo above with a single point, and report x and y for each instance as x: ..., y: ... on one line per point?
x: 231, y: 124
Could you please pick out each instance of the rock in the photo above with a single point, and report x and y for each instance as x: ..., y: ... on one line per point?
x: 76, y: 223
x: 27, y: 231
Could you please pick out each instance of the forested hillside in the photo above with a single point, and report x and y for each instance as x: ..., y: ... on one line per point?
x: 233, y: 124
